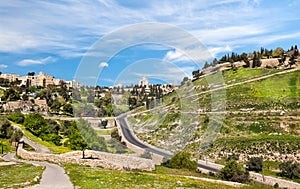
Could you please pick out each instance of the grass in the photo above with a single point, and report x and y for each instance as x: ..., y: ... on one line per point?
x: 6, y: 146
x: 87, y: 177
x: 19, y: 175
x: 243, y: 74
x: 103, y: 132
x: 52, y: 147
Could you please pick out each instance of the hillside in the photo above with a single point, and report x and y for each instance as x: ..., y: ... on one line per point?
x: 260, y: 116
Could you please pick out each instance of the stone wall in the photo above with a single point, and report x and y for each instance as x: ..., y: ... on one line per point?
x: 93, y: 159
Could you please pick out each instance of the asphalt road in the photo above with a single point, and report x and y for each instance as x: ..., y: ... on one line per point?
x: 131, y: 138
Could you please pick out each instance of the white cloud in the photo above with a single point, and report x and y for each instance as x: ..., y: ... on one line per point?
x: 223, y: 49
x: 175, y: 56
x: 3, y: 66
x: 103, y: 64
x: 28, y: 62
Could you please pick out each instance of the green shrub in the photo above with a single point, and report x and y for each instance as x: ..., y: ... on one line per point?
x: 289, y: 169
x: 234, y: 172
x: 255, y: 164
x: 17, y: 117
x: 182, y: 160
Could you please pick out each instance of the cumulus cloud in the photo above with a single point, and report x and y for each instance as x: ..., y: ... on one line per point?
x: 28, y: 62
x: 103, y: 64
x: 3, y: 66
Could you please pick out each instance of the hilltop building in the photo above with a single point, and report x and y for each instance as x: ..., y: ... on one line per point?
x: 144, y: 82
x: 41, y: 79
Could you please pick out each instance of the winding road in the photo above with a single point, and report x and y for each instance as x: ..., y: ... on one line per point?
x: 131, y: 138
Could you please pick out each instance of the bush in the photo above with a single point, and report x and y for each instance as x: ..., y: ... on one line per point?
x: 276, y: 185
x: 17, y: 117
x: 115, y: 134
x: 255, y: 164
x: 36, y: 124
x: 234, y: 172
x: 289, y: 169
x: 182, y: 160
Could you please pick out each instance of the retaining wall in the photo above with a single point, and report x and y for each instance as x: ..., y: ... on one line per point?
x: 97, y: 159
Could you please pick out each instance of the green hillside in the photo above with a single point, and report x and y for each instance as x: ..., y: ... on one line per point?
x: 262, y: 115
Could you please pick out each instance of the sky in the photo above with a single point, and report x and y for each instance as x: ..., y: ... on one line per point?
x: 72, y: 39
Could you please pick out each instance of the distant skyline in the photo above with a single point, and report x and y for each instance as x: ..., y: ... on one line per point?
x: 54, y: 36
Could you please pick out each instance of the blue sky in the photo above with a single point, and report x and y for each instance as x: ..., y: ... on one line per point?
x: 54, y: 36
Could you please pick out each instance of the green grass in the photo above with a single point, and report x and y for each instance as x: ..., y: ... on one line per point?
x: 6, y: 146
x: 279, y: 87
x: 103, y: 132
x: 243, y: 74
x: 52, y: 147
x: 19, y: 175
x: 90, y: 178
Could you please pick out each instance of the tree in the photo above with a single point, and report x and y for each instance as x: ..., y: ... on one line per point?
x: 255, y: 164
x: 68, y: 108
x: 182, y: 160
x: 31, y: 73
x: 206, y: 65
x: 15, y: 134
x: 36, y: 124
x: 76, y: 95
x: 185, y: 80
x: 17, y: 117
x: 91, y: 97
x: 76, y: 140
x: 11, y: 95
x: 4, y: 126
x: 55, y: 106
x: 234, y: 172
x: 289, y: 169
x: 256, y: 59
x: 292, y: 61
x: 278, y: 52
x: 104, y: 123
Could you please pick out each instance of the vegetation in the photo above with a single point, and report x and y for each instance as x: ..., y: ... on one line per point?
x: 182, y: 160
x: 87, y: 177
x: 234, y: 172
x: 290, y: 169
x: 19, y: 175
x: 7, y: 131
x: 255, y: 164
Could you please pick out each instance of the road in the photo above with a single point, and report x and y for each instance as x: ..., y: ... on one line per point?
x: 131, y: 138
x: 37, y: 147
